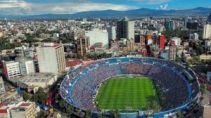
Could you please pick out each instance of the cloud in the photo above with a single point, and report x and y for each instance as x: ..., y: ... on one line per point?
x: 23, y: 7
x: 164, y: 7
x: 153, y: 1
x: 5, y: 4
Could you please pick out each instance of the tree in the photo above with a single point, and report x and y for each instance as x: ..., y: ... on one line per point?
x: 40, y: 96
x: 88, y: 114
x: 69, y: 109
x: 62, y: 103
x: 42, y: 114
x: 26, y: 96
x: 202, y: 88
x: 5, y: 44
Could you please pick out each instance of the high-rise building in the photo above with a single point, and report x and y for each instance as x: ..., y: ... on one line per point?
x: 82, y: 46
x: 51, y: 58
x: 192, y: 25
x: 172, y: 52
x: 162, y: 42
x: 97, y: 36
x: 177, y: 41
x: 207, y: 31
x: 11, y: 69
x: 26, y: 66
x: 142, y: 40
x: 2, y: 88
x: 169, y: 25
x: 125, y: 29
x: 208, y: 45
x: 111, y: 34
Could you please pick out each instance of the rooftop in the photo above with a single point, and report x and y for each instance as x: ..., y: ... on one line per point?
x: 38, y: 77
x: 3, y: 111
x: 55, y: 45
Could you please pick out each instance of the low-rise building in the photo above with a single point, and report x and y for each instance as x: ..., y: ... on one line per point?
x: 23, y: 110
x: 19, y: 110
x: 37, y: 80
x: 4, y: 112
x: 204, y: 57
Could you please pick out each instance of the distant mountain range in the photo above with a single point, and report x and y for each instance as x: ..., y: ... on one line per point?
x: 200, y: 11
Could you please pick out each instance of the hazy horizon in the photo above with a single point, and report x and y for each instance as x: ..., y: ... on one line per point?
x: 36, y: 7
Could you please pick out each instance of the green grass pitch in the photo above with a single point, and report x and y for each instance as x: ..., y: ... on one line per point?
x: 125, y: 93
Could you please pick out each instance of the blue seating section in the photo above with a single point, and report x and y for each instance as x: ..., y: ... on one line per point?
x: 80, y: 85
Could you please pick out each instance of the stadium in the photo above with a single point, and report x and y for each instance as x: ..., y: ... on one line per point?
x: 136, y: 87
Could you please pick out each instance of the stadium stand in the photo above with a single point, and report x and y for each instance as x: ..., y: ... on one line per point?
x: 179, y: 86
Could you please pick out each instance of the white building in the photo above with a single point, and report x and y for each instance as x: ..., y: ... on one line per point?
x: 51, y: 58
x: 208, y: 44
x: 12, y: 69
x: 2, y: 88
x: 26, y: 66
x: 131, y: 32
x: 97, y: 36
x: 194, y: 36
x: 207, y: 31
x: 176, y: 40
x: 20, y: 110
x: 111, y: 33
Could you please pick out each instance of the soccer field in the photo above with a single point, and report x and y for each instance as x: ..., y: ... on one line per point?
x: 125, y: 93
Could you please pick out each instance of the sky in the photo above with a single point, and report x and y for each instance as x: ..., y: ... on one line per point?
x: 34, y: 7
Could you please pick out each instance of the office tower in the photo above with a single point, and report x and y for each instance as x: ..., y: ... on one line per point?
x: 26, y: 66
x: 51, y: 58
x: 111, y: 34
x: 137, y: 38
x: 125, y: 29
x: 172, y: 52
x: 162, y: 42
x: 11, y: 69
x: 192, y: 25
x: 169, y: 25
x: 82, y: 46
x: 142, y: 40
x: 207, y: 31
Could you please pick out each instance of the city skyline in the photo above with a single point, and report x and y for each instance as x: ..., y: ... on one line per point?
x: 35, y: 7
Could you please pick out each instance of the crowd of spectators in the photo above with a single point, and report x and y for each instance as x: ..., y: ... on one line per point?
x: 80, y: 86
